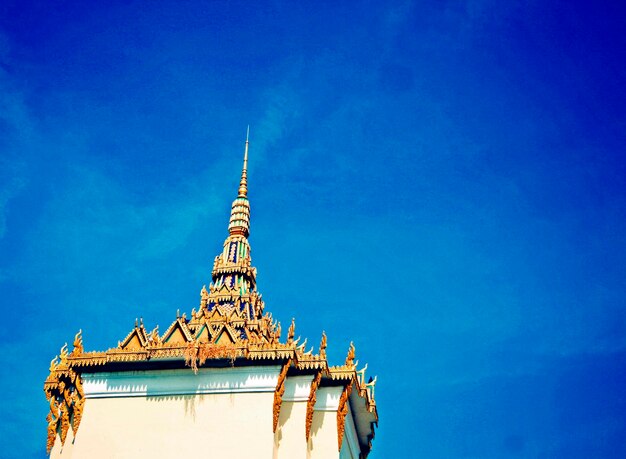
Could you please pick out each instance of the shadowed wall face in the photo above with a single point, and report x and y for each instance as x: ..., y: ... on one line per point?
x: 164, y: 426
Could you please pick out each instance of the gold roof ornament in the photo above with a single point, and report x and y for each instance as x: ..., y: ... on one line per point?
x: 63, y: 354
x: 350, y: 356
x: 53, y: 364
x: 240, y: 212
x: 78, y: 343
x: 230, y: 325
x: 323, y: 345
x: 204, y: 297
x: 292, y: 331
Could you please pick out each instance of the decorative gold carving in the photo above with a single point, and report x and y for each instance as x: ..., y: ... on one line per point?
x: 196, y: 354
x: 64, y: 392
x: 178, y: 332
x: 53, y: 419
x: 292, y: 331
x: 78, y: 403
x: 53, y: 364
x: 78, y: 343
x: 310, y: 404
x: 137, y: 338
x: 78, y: 414
x: 65, y: 422
x: 279, y: 392
x: 350, y: 356
x: 204, y: 298
x: 342, y: 411
x: 63, y: 355
x: 323, y: 345
x: 154, y: 337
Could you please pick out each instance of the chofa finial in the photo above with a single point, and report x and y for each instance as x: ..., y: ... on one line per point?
x: 323, y: 345
x: 350, y: 356
x: 291, y: 333
x: 78, y: 343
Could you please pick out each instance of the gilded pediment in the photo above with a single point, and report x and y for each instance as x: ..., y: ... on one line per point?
x: 136, y: 339
x: 177, y: 333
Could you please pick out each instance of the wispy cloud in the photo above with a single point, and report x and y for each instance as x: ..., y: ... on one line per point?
x: 12, y: 181
x: 17, y: 136
x: 92, y: 223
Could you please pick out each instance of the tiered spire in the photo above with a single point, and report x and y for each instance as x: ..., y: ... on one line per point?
x: 234, y: 279
x: 240, y: 212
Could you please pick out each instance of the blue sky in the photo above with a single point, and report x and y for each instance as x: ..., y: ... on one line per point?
x: 441, y: 182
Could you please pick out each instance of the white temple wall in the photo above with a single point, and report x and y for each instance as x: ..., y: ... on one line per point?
x: 173, y: 413
x: 222, y: 413
x: 174, y: 426
x: 290, y: 438
x: 324, y: 441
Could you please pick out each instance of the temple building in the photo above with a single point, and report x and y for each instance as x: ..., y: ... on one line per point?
x: 221, y: 382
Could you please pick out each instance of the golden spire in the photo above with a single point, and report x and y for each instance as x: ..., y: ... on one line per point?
x: 243, y: 184
x: 240, y: 212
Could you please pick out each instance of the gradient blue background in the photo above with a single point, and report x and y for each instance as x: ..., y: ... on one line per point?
x: 441, y: 182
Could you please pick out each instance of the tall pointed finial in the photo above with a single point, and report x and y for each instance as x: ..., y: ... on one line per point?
x: 240, y: 211
x: 243, y: 184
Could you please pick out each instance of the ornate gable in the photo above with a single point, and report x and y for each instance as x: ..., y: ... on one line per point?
x: 177, y: 333
x: 136, y: 339
x: 204, y: 333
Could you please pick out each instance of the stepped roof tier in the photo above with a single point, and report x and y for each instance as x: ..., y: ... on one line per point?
x: 229, y: 328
